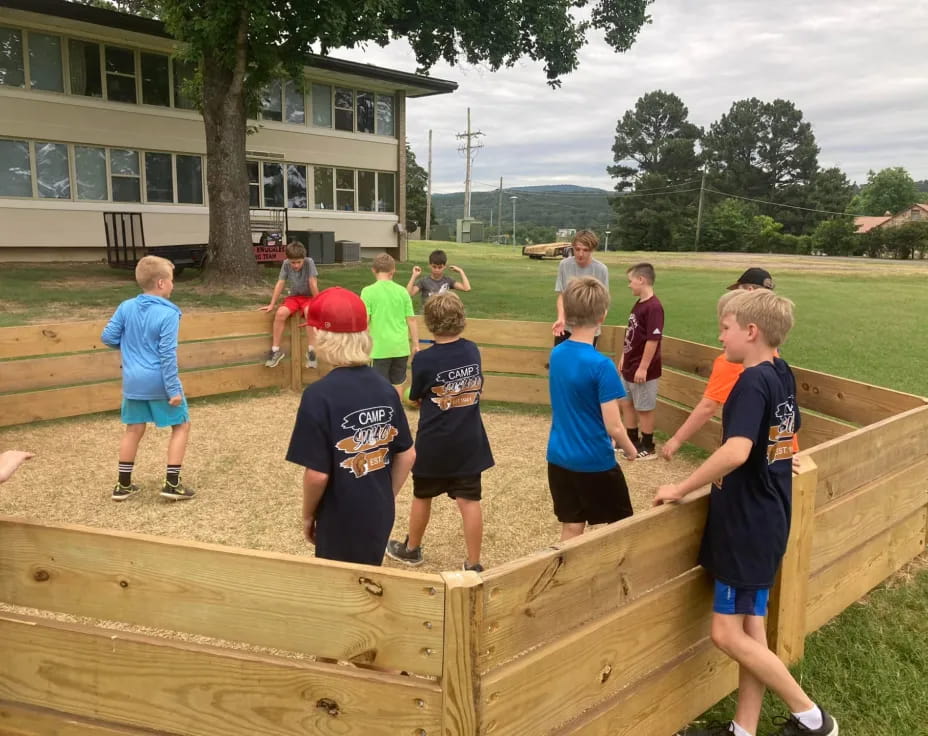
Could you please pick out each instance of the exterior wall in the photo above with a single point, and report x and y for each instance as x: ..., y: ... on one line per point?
x: 915, y: 213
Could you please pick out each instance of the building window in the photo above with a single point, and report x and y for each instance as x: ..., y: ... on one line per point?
x: 120, y: 74
x: 254, y: 184
x: 15, y: 169
x: 159, y: 179
x: 273, y: 176
x: 12, y: 68
x: 124, y: 175
x: 385, y: 115
x: 156, y: 83
x: 90, y: 172
x: 53, y: 178
x: 189, y: 179
x: 84, y: 66
x: 294, y: 105
x: 344, y: 190
x: 367, y: 193
x: 344, y: 109
x: 184, y: 72
x: 386, y: 192
x: 322, y: 105
x: 296, y: 186
x: 324, y: 187
x: 365, y: 103
x: 270, y: 102
x: 45, y: 62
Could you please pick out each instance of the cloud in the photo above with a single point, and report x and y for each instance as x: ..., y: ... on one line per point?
x: 853, y: 71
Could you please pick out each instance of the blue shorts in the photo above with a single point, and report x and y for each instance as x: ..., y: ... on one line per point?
x: 738, y: 602
x: 159, y: 412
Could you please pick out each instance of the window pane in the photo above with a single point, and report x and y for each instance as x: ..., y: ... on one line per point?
x: 344, y: 180
x: 51, y: 168
x: 126, y: 190
x: 345, y: 201
x: 385, y: 115
x: 293, y: 96
x: 11, y: 58
x: 90, y: 169
x: 45, y: 62
x: 322, y: 105
x: 120, y: 74
x: 189, y: 179
x: 155, y: 84
x: 159, y: 184
x: 123, y: 162
x: 15, y: 173
x: 125, y: 180
x: 270, y: 102
x: 322, y: 188
x: 386, y: 192
x: 344, y: 109
x: 273, y: 185
x: 365, y: 112
x: 184, y: 71
x: 254, y: 185
x: 296, y: 186
x: 84, y: 61
x: 365, y: 191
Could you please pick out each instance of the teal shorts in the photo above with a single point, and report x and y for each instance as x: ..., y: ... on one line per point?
x: 159, y: 412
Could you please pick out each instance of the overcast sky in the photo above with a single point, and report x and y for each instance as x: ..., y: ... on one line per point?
x: 855, y: 69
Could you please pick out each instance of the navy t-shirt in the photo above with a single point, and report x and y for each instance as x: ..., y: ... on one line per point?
x: 451, y: 441
x: 749, y: 509
x: 349, y: 425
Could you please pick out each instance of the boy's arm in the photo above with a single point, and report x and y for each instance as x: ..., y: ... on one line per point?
x: 167, y: 352
x: 463, y: 284
x: 10, y: 460
x: 400, y: 465
x: 278, y: 289
x: 702, y: 413
x: 313, y: 286
x: 733, y: 454
x: 612, y: 418
x: 557, y: 329
x: 314, y: 484
x: 411, y: 288
x: 112, y: 333
x: 413, y: 334
x: 647, y: 355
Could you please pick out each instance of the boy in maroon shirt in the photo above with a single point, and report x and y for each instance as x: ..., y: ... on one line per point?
x: 640, y: 364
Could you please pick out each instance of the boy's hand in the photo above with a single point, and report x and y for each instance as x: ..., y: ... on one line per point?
x: 416, y: 271
x: 175, y: 400
x: 266, y: 308
x: 641, y: 375
x: 10, y: 462
x: 309, y: 529
x: 557, y: 329
x: 455, y: 269
x: 796, y: 465
x: 667, y: 494
x: 670, y: 449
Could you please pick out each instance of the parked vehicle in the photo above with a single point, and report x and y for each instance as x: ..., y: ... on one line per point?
x: 548, y: 250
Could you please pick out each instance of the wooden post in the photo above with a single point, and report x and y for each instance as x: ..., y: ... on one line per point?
x: 296, y: 352
x: 460, y: 683
x: 786, y: 623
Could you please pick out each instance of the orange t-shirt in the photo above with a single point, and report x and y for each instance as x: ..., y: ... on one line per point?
x: 722, y: 380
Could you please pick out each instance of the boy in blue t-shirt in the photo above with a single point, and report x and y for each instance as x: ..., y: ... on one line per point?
x: 352, y: 438
x: 749, y: 511
x: 587, y: 486
x: 452, y: 448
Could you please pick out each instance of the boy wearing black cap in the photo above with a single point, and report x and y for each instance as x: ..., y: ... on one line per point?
x: 753, y: 278
x: 352, y: 438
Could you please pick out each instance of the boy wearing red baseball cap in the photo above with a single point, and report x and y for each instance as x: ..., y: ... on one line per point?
x: 352, y: 438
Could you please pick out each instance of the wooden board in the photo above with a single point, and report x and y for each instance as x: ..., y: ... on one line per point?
x: 513, y: 360
x: 372, y: 615
x: 688, y: 356
x: 460, y: 684
x: 516, y: 389
x: 531, y: 601
x: 23, y: 720
x: 858, y: 571
x: 188, y: 689
x: 578, y: 671
x: 669, y: 418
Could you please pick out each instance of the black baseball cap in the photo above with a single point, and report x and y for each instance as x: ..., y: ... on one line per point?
x: 754, y: 277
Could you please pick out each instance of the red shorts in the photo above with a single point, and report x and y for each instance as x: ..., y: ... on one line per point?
x: 294, y: 304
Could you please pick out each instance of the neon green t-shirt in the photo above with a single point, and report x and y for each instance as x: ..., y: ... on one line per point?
x: 388, y: 305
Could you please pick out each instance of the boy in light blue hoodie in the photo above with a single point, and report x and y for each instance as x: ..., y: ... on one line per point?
x: 145, y: 330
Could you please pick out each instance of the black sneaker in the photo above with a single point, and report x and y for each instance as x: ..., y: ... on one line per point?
x: 716, y: 728
x: 477, y: 567
x: 176, y: 491
x: 401, y: 553
x: 274, y: 357
x: 646, y: 452
x: 121, y: 492
x: 790, y: 726
x: 311, y: 361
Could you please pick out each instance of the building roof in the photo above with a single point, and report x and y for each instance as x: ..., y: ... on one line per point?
x: 866, y: 224
x: 415, y: 85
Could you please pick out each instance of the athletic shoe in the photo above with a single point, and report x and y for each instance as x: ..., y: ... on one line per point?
x: 715, y: 728
x: 274, y: 357
x: 176, y: 491
x: 646, y: 453
x: 311, y: 361
x: 790, y: 726
x: 401, y: 553
x: 121, y: 492
x: 472, y: 568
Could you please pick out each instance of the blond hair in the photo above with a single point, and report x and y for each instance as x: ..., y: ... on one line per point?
x: 586, y: 301
x: 772, y: 313
x: 150, y: 269
x: 723, y: 301
x: 344, y: 348
x: 587, y: 238
x: 444, y: 314
x: 383, y: 263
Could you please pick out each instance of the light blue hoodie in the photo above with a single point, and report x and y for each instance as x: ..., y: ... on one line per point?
x: 144, y: 330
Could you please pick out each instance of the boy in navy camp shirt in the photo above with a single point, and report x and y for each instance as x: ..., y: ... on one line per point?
x: 749, y: 511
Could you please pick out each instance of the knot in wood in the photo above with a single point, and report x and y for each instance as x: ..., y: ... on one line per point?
x: 40, y: 576
x: 604, y: 673
x: 50, y: 333
x: 123, y: 583
x: 370, y: 586
x: 329, y: 706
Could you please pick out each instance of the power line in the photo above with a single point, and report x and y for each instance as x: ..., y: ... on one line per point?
x: 778, y: 204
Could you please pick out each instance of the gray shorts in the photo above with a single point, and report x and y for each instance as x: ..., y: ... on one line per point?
x: 643, y: 395
x: 393, y: 369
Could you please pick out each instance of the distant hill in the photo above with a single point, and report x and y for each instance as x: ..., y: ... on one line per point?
x: 555, y: 205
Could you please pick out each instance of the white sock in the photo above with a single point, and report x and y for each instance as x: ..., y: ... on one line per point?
x: 740, y: 731
x: 275, y: 348
x: 811, y: 719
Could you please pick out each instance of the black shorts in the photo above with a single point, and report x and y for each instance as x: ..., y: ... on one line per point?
x: 468, y: 487
x: 566, y: 336
x: 393, y: 369
x: 595, y: 498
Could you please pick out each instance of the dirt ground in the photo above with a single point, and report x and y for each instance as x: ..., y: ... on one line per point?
x: 249, y: 496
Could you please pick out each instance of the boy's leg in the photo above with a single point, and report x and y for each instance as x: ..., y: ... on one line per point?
x: 129, y: 444
x: 177, y: 445
x: 419, y: 513
x: 177, y: 418
x: 277, y: 332
x: 472, y: 518
x: 750, y: 689
x: 311, y: 361
x: 571, y: 530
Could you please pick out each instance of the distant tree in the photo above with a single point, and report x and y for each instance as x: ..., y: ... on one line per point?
x: 653, y: 217
x: 144, y: 8
x: 903, y: 241
x: 837, y: 237
x: 889, y: 190
x: 417, y: 181
x: 830, y: 190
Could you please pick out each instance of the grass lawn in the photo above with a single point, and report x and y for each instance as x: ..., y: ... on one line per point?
x: 858, y: 318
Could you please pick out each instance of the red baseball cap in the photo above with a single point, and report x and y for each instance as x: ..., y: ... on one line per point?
x: 337, y: 310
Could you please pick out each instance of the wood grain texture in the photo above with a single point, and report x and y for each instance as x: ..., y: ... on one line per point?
x: 17, y: 719
x: 460, y: 686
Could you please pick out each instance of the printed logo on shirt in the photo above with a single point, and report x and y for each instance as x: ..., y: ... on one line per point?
x: 371, y: 430
x: 630, y: 332
x: 657, y: 331
x: 457, y: 387
x: 780, y: 439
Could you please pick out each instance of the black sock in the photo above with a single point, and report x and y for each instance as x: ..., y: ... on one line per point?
x: 125, y: 473
x: 647, y: 440
x: 173, y: 474
x: 633, y: 434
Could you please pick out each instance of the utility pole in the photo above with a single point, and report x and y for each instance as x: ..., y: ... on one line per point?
x: 499, y: 216
x: 428, y: 195
x: 468, y: 148
x: 702, y: 192
x: 513, y: 198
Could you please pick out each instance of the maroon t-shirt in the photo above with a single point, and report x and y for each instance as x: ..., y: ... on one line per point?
x: 646, y: 322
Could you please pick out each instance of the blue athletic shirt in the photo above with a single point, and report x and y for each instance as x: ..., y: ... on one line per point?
x: 580, y: 380
x: 349, y: 425
x: 749, y: 509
